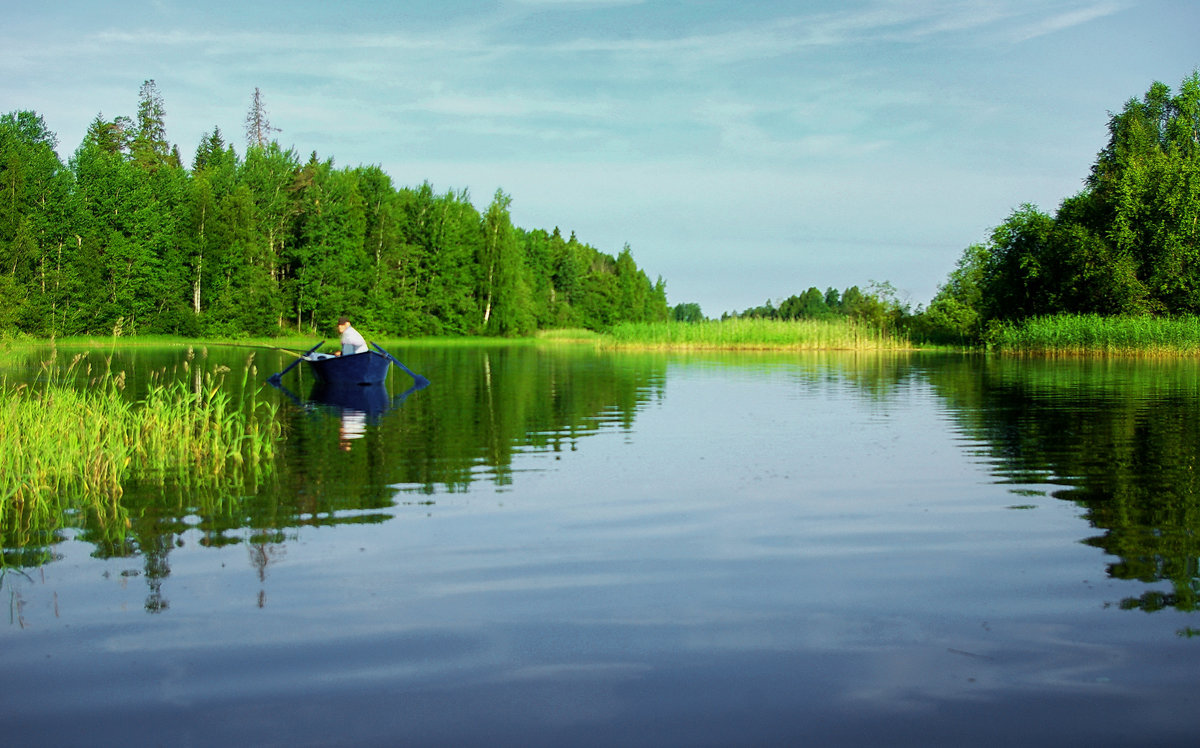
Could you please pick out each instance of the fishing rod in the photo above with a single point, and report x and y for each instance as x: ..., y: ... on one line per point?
x: 293, y: 351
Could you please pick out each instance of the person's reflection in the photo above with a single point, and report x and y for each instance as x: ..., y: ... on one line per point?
x: 354, y: 425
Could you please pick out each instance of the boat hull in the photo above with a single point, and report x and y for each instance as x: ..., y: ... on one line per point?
x: 364, y: 368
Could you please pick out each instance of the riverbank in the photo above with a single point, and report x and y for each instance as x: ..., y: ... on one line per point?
x: 1058, y: 335
x: 731, y: 334
x: 295, y: 343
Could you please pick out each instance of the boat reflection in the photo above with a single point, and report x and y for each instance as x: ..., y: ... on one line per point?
x: 356, y: 405
x: 372, y: 399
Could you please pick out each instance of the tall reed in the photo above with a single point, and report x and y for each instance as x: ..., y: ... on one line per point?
x: 1090, y: 334
x: 752, y: 334
x: 65, y: 449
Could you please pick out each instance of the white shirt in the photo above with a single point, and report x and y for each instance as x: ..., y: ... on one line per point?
x: 352, y: 342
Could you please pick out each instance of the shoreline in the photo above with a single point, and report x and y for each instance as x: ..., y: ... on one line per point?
x: 1057, y: 336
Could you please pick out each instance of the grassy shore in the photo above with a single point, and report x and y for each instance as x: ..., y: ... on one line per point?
x: 1082, y: 335
x: 754, y: 334
x: 295, y: 343
x: 729, y: 334
x: 1051, y: 335
x: 67, y: 448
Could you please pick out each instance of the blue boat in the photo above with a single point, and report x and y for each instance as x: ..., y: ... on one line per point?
x: 368, y: 367
x: 358, y: 369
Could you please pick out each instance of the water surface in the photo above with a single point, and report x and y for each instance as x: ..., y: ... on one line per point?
x: 553, y: 546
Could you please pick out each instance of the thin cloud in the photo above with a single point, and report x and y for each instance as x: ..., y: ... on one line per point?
x: 1063, y: 21
x: 685, y: 53
x: 892, y: 21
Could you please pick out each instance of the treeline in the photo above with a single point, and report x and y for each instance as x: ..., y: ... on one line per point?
x: 124, y: 239
x: 1127, y: 244
x: 878, y: 306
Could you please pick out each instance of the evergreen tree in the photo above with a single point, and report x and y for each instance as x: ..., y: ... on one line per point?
x: 633, y: 289
x: 568, y: 265
x: 111, y: 136
x: 329, y: 267
x: 149, y: 147
x: 442, y: 239
x: 125, y: 240
x: 269, y: 174
x: 259, y: 132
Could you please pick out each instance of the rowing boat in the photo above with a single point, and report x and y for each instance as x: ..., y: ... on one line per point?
x: 366, y: 368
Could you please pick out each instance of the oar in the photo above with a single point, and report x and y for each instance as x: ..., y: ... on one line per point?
x: 419, y: 381
x: 398, y: 400
x: 290, y: 395
x: 274, y: 378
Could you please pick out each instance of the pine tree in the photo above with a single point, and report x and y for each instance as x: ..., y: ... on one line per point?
x: 258, y: 126
x: 149, y: 147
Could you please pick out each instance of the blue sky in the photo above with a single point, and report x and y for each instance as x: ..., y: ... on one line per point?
x: 745, y: 150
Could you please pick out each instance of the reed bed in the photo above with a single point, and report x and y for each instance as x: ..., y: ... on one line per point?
x: 71, y: 449
x: 1089, y: 334
x: 755, y: 334
x: 569, y: 335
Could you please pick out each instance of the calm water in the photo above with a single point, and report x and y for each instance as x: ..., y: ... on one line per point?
x: 565, y: 548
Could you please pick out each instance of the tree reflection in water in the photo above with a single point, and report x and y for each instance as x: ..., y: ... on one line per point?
x: 348, y: 455
x: 1118, y: 438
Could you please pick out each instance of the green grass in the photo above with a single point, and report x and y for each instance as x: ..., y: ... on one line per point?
x: 754, y: 334
x: 68, y: 449
x: 1068, y: 335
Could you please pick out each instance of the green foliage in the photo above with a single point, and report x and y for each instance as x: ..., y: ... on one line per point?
x: 1020, y: 273
x: 953, y: 314
x: 1128, y: 244
x: 34, y: 192
x: 125, y: 239
x: 149, y: 147
x: 809, y: 305
x: 687, y: 312
x: 503, y: 292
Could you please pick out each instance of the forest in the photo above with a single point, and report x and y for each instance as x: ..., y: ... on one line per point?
x: 126, y: 240
x: 1128, y: 244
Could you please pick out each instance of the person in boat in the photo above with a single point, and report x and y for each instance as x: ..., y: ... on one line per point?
x: 352, y: 341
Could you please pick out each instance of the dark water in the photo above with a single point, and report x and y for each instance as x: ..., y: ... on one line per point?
x: 549, y: 547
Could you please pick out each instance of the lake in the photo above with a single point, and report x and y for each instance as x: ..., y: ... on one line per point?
x: 556, y: 546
